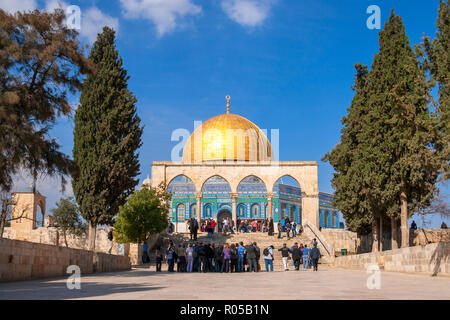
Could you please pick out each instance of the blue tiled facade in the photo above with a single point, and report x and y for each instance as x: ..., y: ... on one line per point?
x: 251, y: 202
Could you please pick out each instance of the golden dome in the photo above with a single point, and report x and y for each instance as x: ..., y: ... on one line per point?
x: 227, y: 137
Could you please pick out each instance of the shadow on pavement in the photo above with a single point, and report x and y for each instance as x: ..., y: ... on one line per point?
x: 51, y: 289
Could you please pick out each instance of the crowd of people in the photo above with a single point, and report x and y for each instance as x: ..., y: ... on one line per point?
x: 243, y: 225
x: 235, y: 257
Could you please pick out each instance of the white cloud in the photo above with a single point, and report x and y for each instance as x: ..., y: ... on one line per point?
x: 165, y: 14
x: 11, y: 6
x: 92, y: 22
x: 249, y: 13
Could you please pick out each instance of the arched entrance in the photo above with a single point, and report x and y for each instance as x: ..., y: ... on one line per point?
x: 223, y: 213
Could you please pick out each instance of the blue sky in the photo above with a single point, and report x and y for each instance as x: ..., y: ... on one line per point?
x: 287, y: 65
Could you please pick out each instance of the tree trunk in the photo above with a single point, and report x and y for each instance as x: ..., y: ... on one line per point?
x: 381, y: 234
x: 375, y: 237
x: 92, y: 235
x: 3, y: 217
x: 404, y: 218
x: 65, y: 238
x: 394, y: 241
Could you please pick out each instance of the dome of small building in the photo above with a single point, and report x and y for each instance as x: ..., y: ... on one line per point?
x: 227, y: 137
x: 147, y: 182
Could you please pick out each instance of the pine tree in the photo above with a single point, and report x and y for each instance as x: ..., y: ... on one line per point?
x: 438, y: 59
x: 398, y: 135
x: 107, y: 135
x: 41, y: 62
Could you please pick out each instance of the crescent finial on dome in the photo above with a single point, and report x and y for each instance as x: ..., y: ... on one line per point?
x: 228, y: 103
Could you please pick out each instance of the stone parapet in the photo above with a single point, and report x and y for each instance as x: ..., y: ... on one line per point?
x: 431, y: 259
x: 23, y: 260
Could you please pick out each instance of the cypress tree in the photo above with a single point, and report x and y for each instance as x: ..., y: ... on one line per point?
x: 107, y: 135
x: 398, y: 135
x: 353, y: 177
x: 438, y: 59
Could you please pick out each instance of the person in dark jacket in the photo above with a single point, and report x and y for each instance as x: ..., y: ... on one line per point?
x: 285, y: 256
x: 296, y: 255
x: 196, y: 264
x: 218, y: 258
x: 251, y: 256
x: 270, y: 233
x: 315, y: 255
x: 279, y: 230
x: 258, y: 256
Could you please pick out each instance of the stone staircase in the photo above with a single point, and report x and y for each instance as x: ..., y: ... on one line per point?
x: 263, y: 240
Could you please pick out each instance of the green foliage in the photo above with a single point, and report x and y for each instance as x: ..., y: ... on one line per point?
x: 41, y: 61
x: 144, y: 214
x: 438, y: 63
x: 66, y: 218
x: 107, y: 135
x: 387, y: 143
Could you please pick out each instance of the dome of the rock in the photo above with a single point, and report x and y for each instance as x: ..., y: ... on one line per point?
x: 227, y: 137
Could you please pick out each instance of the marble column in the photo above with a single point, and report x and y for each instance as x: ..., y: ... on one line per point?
x: 233, y: 208
x: 269, y: 214
x: 199, y: 195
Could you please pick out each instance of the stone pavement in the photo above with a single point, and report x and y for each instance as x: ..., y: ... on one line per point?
x: 142, y: 283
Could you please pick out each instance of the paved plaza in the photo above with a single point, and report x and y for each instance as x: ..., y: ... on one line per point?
x: 142, y: 283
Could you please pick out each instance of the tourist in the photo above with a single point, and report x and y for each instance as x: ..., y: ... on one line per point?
x: 233, y: 258
x: 238, y: 224
x: 315, y: 255
x: 226, y: 258
x: 211, y: 252
x: 145, y: 257
x: 219, y: 256
x: 288, y: 227
x: 258, y: 256
x: 225, y: 226
x: 213, y: 227
x: 254, y: 226
x: 240, y: 254
x: 296, y: 256
x: 294, y: 228
x: 443, y: 225
x: 231, y: 225
x: 268, y: 258
x: 271, y: 227
x: 196, y: 265
x: 159, y: 258
x: 171, y: 256
x: 280, y: 228
x: 300, y: 230
x: 181, y: 260
x: 251, y: 257
x: 189, y: 257
x: 285, y: 256
x: 313, y: 242
x: 283, y: 223
x: 110, y: 239
x: 413, y: 225
x: 202, y: 252
x: 209, y: 229
x: 306, y: 256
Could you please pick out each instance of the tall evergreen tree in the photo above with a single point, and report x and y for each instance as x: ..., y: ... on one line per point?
x: 438, y: 58
x: 107, y: 135
x: 398, y: 135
